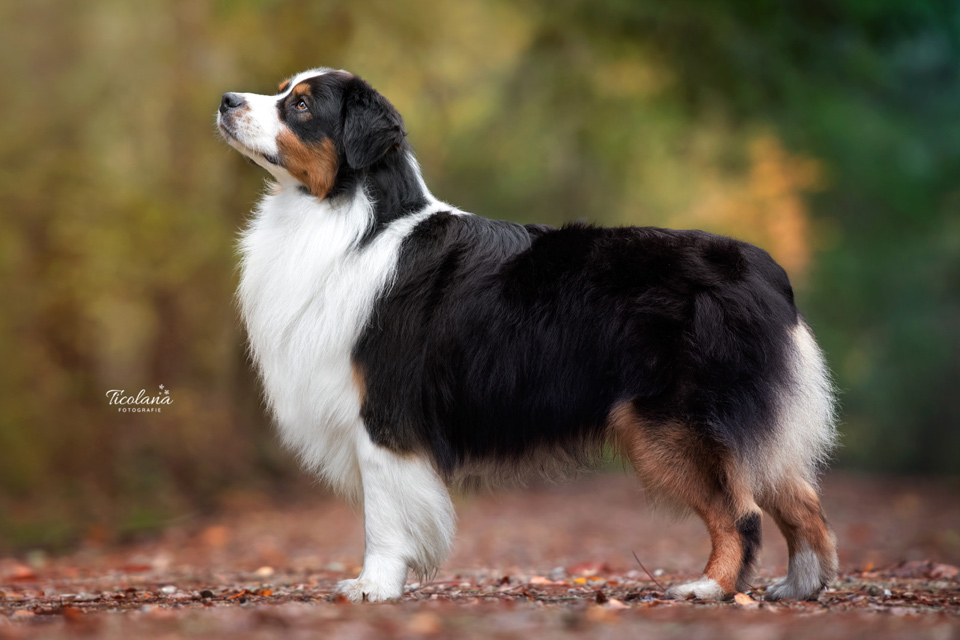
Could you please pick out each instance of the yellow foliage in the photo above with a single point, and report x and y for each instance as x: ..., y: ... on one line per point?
x: 765, y: 206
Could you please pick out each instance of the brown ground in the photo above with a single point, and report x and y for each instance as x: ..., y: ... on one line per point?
x: 548, y: 561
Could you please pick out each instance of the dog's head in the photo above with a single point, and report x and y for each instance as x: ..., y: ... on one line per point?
x: 320, y: 128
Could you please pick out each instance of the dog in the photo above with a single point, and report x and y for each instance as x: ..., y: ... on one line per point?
x: 405, y: 345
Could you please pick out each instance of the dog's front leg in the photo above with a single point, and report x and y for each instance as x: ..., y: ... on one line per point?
x: 408, y: 522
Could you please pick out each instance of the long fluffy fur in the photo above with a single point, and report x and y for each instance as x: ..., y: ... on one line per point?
x: 404, y: 344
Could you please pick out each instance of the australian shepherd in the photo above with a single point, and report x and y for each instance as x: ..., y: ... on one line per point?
x: 405, y: 345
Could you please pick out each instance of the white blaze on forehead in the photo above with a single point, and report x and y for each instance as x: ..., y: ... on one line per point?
x: 300, y: 77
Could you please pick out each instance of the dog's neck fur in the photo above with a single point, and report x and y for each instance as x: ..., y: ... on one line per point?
x: 311, y: 271
x: 396, y: 187
x: 393, y: 187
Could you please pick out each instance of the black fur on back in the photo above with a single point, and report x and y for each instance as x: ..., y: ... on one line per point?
x: 497, y: 341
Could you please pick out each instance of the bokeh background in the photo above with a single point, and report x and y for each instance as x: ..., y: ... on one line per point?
x: 827, y: 132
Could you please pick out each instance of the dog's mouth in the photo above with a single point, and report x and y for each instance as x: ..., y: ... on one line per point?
x: 234, y: 140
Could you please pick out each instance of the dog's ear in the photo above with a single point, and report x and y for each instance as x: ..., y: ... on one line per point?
x: 371, y: 126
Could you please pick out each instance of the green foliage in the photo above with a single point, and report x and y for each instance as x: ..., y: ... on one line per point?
x: 828, y: 133
x: 871, y: 89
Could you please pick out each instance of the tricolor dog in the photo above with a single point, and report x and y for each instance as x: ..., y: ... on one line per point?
x: 405, y: 345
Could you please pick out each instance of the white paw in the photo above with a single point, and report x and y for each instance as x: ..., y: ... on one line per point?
x: 703, y: 589
x: 366, y: 590
x: 780, y: 590
x: 805, y: 578
x: 785, y: 589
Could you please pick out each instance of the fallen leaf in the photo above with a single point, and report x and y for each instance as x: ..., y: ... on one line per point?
x: 944, y: 571
x: 22, y: 573
x: 71, y: 614
x: 744, y: 600
x: 588, y: 568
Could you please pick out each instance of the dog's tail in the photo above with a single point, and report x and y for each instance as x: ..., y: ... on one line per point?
x: 805, y: 433
x: 785, y: 474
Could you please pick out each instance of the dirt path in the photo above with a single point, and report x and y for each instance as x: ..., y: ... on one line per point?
x: 548, y: 561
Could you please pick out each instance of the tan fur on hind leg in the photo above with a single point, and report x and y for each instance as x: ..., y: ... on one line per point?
x: 811, y: 544
x: 679, y: 466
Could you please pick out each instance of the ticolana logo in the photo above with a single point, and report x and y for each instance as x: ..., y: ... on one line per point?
x: 143, y: 402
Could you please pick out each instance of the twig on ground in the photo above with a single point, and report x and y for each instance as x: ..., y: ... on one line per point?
x: 650, y: 575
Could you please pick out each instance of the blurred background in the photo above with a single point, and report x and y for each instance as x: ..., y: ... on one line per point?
x: 826, y: 132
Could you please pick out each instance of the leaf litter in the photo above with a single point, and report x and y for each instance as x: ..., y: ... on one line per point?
x: 263, y: 568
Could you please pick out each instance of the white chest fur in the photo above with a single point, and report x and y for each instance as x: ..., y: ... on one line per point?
x: 306, y: 292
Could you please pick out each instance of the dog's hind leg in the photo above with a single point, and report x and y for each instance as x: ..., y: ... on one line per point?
x: 681, y: 467
x: 787, y: 472
x: 408, y: 522
x: 811, y: 544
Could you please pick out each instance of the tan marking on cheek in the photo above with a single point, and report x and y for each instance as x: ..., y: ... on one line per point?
x: 315, y: 165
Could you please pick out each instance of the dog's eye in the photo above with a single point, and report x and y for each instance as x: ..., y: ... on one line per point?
x: 301, y: 106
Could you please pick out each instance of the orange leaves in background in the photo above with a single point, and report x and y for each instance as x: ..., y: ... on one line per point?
x: 766, y: 205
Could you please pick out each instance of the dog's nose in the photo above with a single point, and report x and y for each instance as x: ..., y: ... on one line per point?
x: 230, y: 101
